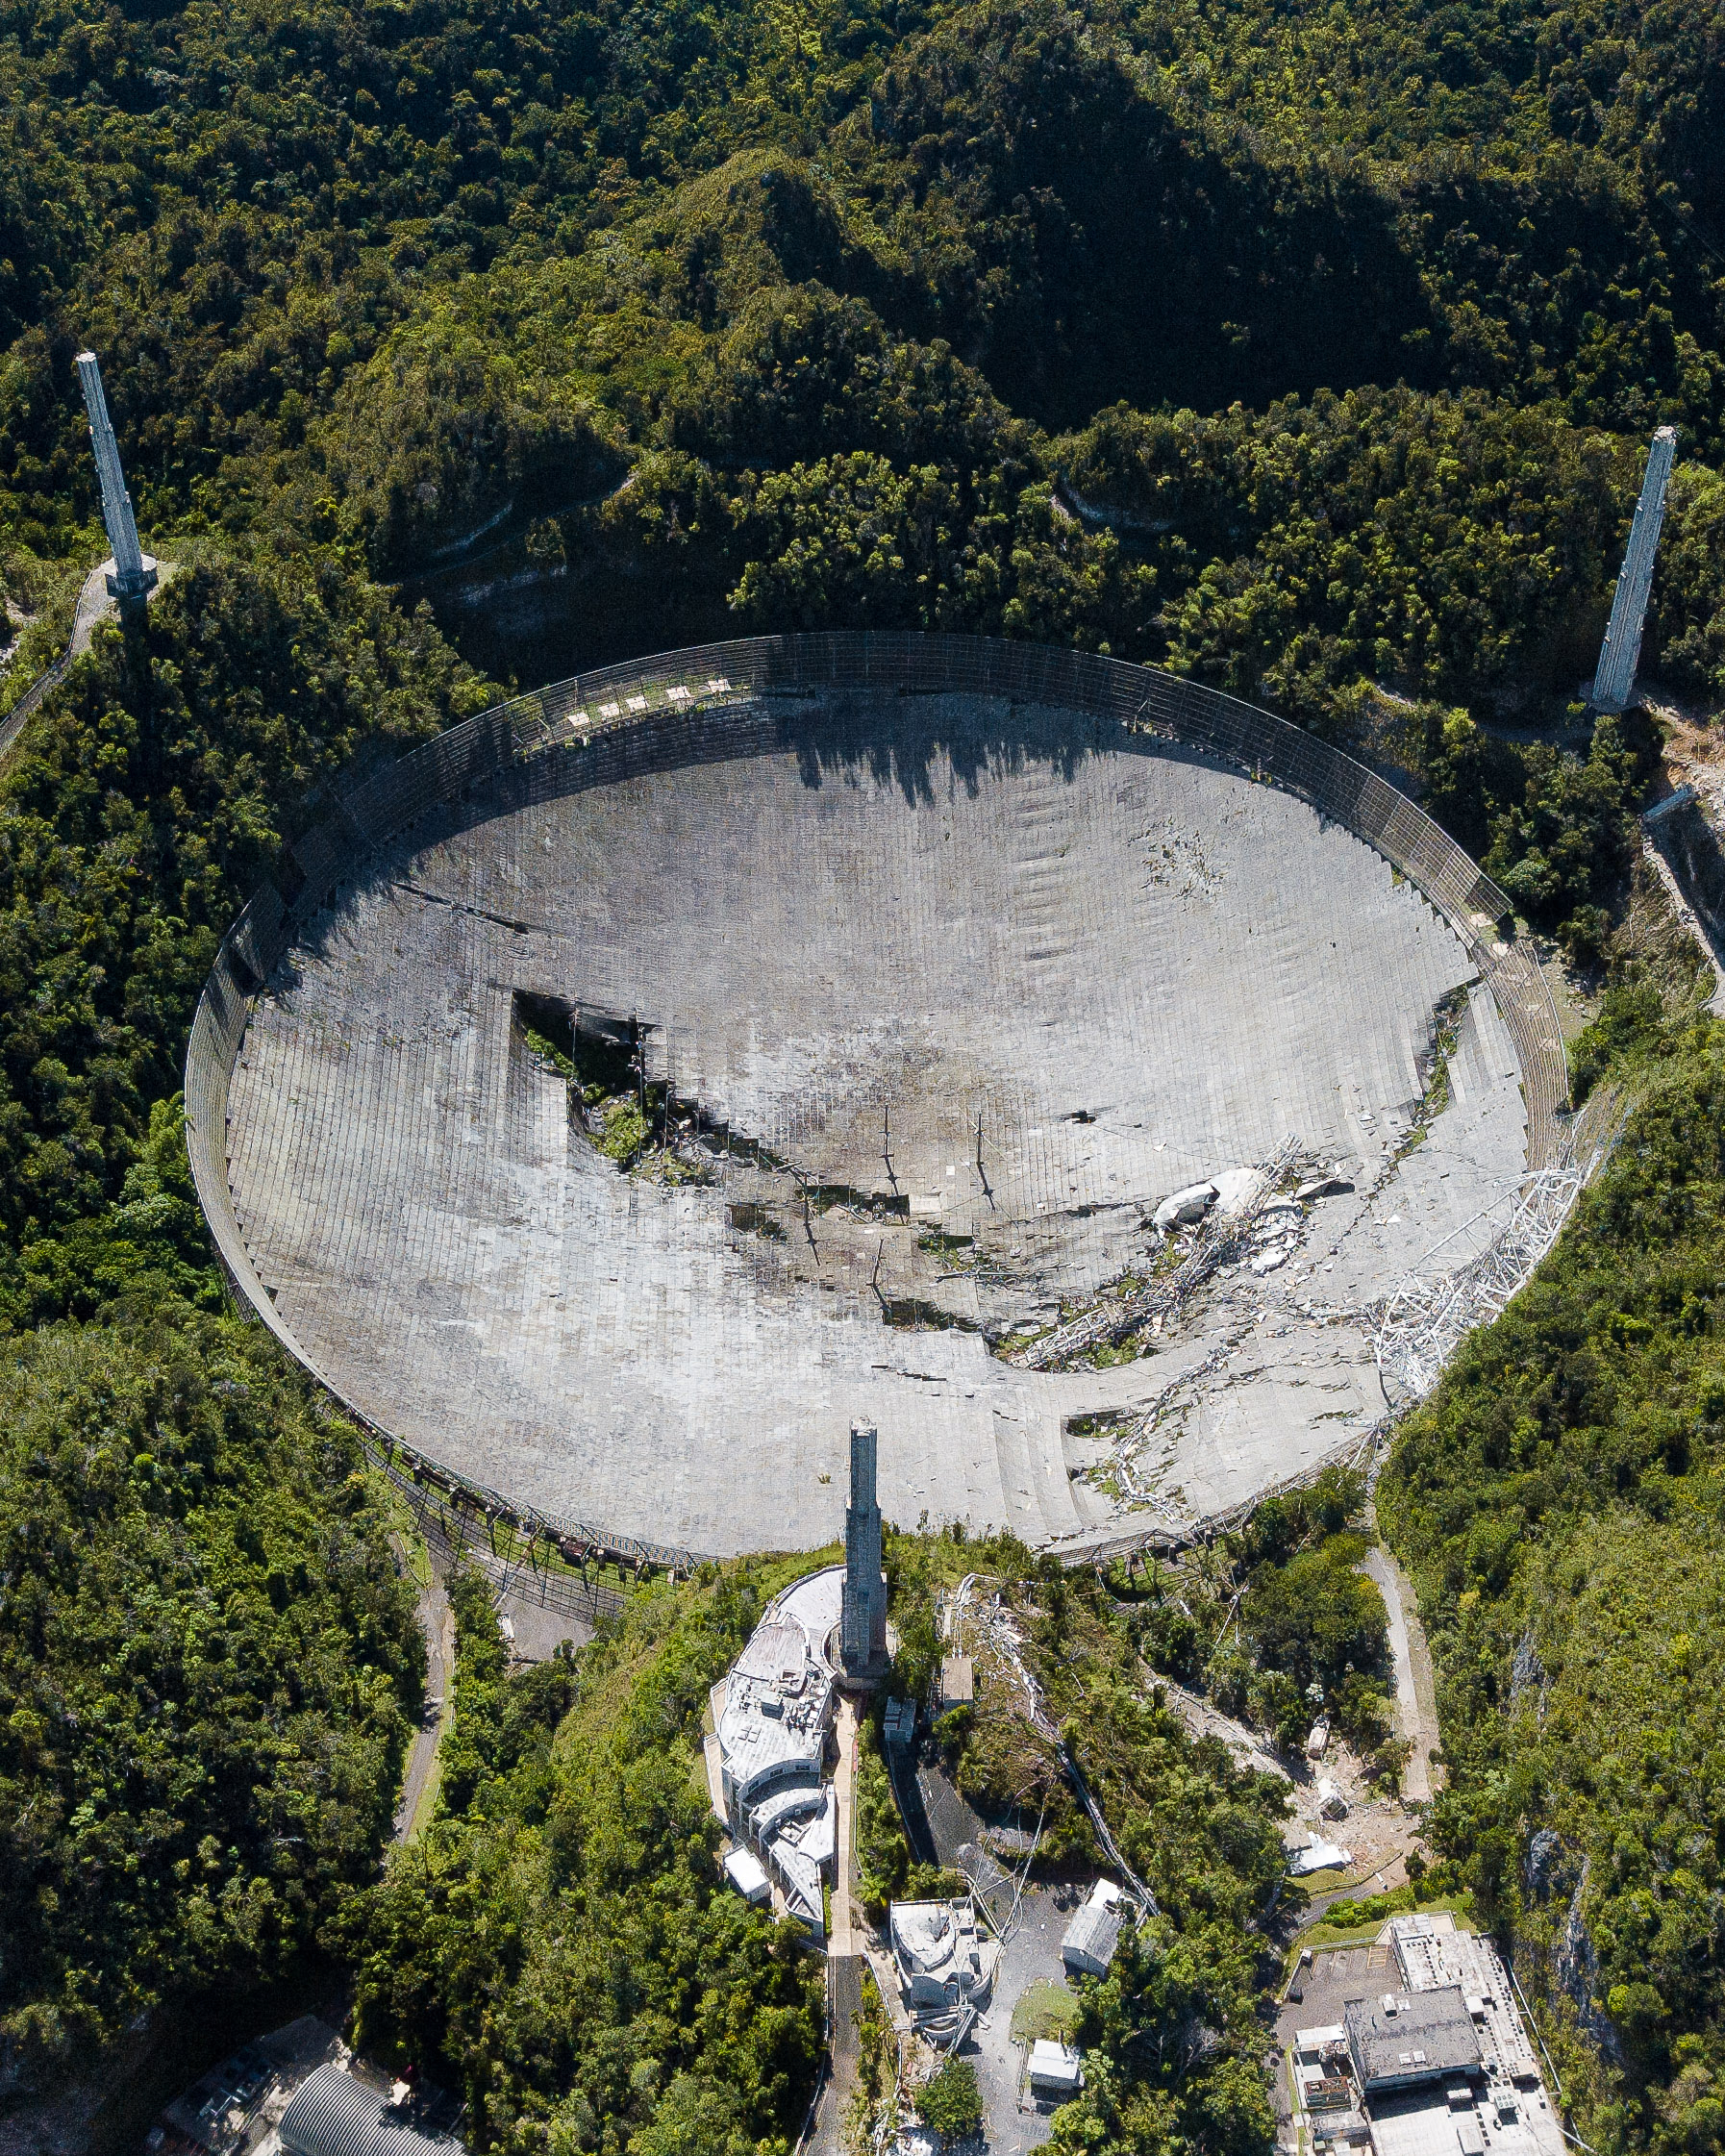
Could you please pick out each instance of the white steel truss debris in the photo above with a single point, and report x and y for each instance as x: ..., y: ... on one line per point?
x: 1002, y: 1634
x: 1221, y: 1237
x: 1422, y: 1321
x: 1414, y: 1331
x: 1420, y: 1324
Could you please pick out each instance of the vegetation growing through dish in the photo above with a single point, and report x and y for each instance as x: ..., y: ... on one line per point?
x: 697, y: 319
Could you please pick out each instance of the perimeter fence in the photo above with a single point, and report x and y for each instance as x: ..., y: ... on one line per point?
x: 729, y: 699
x: 457, y: 1531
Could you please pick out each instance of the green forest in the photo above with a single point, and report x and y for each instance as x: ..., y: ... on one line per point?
x: 1559, y: 1503
x: 455, y: 346
x: 560, y: 1943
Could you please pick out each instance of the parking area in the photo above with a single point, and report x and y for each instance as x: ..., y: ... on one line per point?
x: 1030, y: 1955
x: 1344, y: 1973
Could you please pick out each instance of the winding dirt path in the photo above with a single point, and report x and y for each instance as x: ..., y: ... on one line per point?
x: 1415, y: 1688
x: 436, y: 1620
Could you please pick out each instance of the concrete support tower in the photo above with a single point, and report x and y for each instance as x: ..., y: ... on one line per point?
x: 131, y: 574
x: 863, y: 1621
x: 1614, y: 682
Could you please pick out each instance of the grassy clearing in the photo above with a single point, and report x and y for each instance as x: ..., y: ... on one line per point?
x: 1045, y: 2010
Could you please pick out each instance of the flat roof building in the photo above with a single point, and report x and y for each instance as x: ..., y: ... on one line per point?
x: 958, y: 1681
x: 1431, y: 1951
x: 1094, y: 1933
x: 1054, y: 2071
x: 1406, y: 2039
x: 778, y: 1697
x: 216, y: 2114
x: 1439, y: 2066
x: 747, y: 1874
x: 772, y: 1715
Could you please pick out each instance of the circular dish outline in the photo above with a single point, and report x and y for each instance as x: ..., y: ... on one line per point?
x: 683, y: 694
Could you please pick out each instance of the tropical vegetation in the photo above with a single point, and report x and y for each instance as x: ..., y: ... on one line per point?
x: 208, y: 1669
x: 561, y: 1944
x: 1309, y: 352
x: 1559, y: 1505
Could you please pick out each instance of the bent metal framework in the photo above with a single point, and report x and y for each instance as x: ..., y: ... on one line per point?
x: 938, y: 966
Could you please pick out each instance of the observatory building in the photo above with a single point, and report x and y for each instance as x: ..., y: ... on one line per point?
x: 636, y: 1087
x: 773, y: 1716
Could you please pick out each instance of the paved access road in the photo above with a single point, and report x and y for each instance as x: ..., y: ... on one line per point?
x: 93, y: 606
x: 436, y: 1620
x: 1416, y: 1692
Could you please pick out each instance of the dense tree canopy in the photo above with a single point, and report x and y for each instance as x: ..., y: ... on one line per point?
x: 129, y: 839
x: 1558, y: 1501
x: 1308, y: 351
x: 560, y: 1943
x: 207, y: 1660
x: 435, y: 286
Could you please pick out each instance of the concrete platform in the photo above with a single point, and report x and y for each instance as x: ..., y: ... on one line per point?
x: 1002, y: 975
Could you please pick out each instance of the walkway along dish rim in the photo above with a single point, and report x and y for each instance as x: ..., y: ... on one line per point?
x: 740, y: 675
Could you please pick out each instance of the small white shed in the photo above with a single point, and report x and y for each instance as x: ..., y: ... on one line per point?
x: 746, y: 1874
x: 1054, y: 2071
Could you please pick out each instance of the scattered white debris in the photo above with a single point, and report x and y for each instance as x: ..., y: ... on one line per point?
x: 1319, y: 1856
x: 1268, y: 1260
x: 1236, y: 1187
x: 1185, y: 1207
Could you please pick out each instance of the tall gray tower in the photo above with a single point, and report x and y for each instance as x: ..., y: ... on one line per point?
x: 1614, y: 682
x: 862, y: 1621
x: 130, y: 573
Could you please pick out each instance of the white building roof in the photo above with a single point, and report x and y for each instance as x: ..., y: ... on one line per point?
x: 939, y: 1950
x: 1053, y: 2067
x: 745, y: 1872
x: 1094, y: 1933
x: 778, y: 1694
x: 1513, y: 2116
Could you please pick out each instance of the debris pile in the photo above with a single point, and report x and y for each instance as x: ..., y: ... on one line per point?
x: 1227, y: 1230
